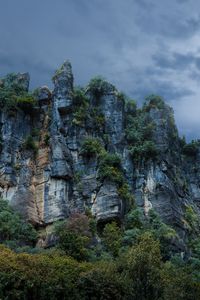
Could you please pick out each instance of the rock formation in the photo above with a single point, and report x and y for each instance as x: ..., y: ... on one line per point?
x: 46, y: 176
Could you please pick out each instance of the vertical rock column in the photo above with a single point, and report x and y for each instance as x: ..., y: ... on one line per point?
x: 57, y: 189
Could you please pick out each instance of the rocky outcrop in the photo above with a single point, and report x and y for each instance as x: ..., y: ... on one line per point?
x: 51, y: 178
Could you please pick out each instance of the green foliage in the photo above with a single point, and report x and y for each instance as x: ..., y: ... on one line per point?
x: 13, y: 229
x: 192, y: 221
x: 153, y: 101
x: 136, y: 224
x: 80, y: 108
x: 146, y: 151
x: 47, y: 139
x: 179, y: 282
x: 139, y: 135
x: 125, y: 194
x: 39, y: 276
x: 141, y: 265
x: 13, y: 97
x: 26, y: 102
x: 112, y: 238
x: 30, y: 144
x: 162, y: 232
x: 136, y: 271
x: 191, y: 149
x: 35, y: 132
x: 79, y: 97
x: 84, y: 114
x: 131, y: 107
x: 74, y: 236
x: 98, y: 86
x: 103, y: 282
x: 121, y: 96
x: 182, y: 141
x: 110, y: 168
x: 91, y: 147
x: 96, y: 119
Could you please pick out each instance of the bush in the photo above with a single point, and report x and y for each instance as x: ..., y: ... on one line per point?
x: 98, y: 86
x: 26, y: 102
x: 79, y: 97
x: 102, y: 282
x: 131, y: 107
x: 125, y: 194
x: 142, y: 266
x: 96, y: 119
x: 39, y: 276
x: 191, y: 149
x: 30, y: 144
x: 153, y: 101
x: 74, y: 236
x: 145, y: 151
x: 110, y: 159
x: 47, y: 139
x: 13, y: 97
x: 13, y: 229
x: 112, y: 238
x: 91, y: 147
x: 80, y: 109
x: 110, y: 168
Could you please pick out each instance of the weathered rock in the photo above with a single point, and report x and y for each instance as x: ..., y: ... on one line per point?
x: 63, y: 81
x: 56, y: 180
x: 107, y: 204
x: 43, y: 95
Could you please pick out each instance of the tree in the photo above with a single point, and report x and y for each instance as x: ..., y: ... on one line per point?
x: 142, y: 265
x: 74, y: 236
x: 13, y: 229
x: 112, y: 238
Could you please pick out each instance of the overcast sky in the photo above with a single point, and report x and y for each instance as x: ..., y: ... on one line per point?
x: 142, y: 46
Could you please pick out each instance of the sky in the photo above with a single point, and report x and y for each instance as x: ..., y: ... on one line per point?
x: 141, y: 46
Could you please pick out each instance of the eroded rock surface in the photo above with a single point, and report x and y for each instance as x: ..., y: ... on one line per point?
x: 56, y: 180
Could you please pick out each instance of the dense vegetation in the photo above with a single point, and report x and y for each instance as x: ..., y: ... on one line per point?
x: 138, y: 259
x: 133, y: 261
x: 14, y: 97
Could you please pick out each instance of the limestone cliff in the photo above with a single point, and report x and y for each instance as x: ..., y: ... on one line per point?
x: 46, y: 173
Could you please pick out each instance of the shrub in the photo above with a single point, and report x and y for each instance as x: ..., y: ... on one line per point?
x: 153, y: 101
x: 110, y: 159
x: 79, y: 97
x: 125, y: 194
x: 39, y: 276
x: 192, y: 220
x: 30, y: 144
x: 131, y: 107
x: 110, y: 168
x: 96, y: 118
x: 102, y: 281
x: 13, y: 97
x: 112, y: 238
x: 13, y: 229
x: 74, y: 236
x: 191, y: 149
x: 35, y: 132
x: 47, y: 139
x: 142, y: 265
x: 145, y: 151
x: 139, y: 135
x: 26, y: 102
x: 91, y: 147
x: 79, y: 116
x: 98, y: 86
x: 80, y: 109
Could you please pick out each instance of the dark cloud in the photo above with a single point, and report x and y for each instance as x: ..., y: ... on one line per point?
x: 142, y: 46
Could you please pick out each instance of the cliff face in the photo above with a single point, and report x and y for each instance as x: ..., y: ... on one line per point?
x: 46, y: 175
